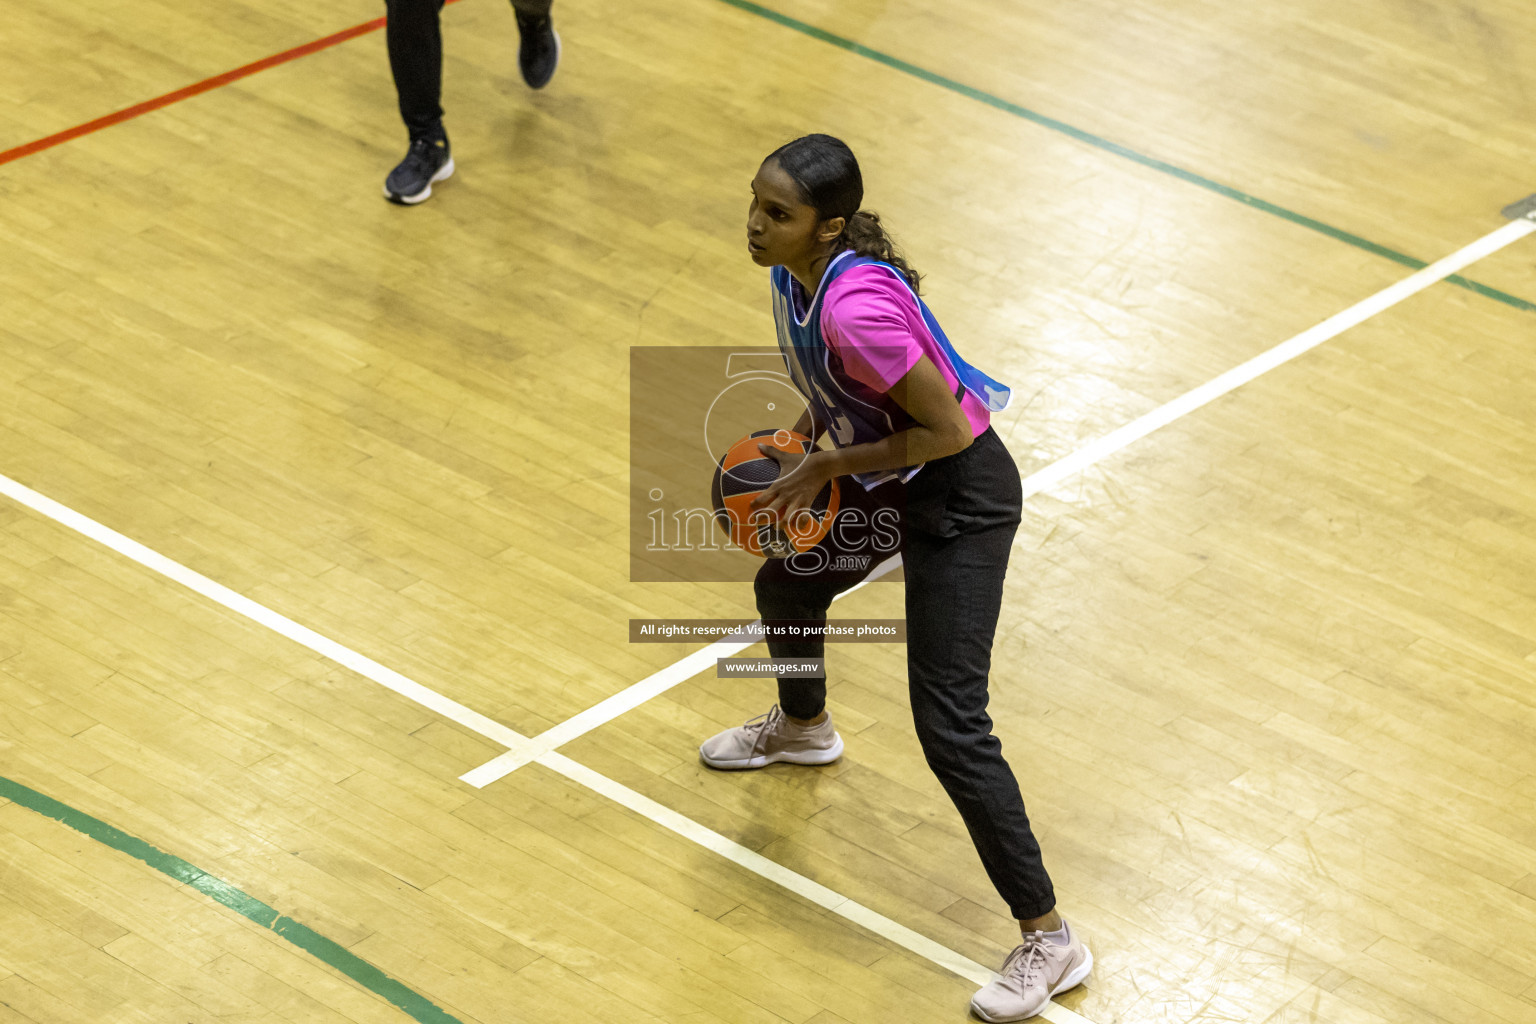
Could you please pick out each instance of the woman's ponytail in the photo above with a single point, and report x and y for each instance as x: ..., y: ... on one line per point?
x: 866, y: 236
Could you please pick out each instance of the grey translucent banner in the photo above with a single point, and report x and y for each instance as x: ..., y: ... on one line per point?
x: 832, y: 631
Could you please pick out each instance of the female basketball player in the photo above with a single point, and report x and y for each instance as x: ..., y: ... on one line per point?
x: 909, y: 421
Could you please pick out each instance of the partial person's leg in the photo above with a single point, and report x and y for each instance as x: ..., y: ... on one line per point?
x: 954, y: 595
x: 798, y: 591
x: 796, y: 729
x: 785, y: 599
x: 538, y: 52
x: 802, y: 588
x: 956, y: 558
x: 416, y: 61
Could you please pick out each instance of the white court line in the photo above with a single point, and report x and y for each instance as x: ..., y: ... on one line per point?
x: 220, y: 594
x: 813, y: 891
x: 1284, y: 352
x: 892, y: 931
x: 629, y: 698
x: 1095, y: 451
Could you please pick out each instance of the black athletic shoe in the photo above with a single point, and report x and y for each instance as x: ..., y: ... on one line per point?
x: 539, y: 54
x: 411, y: 181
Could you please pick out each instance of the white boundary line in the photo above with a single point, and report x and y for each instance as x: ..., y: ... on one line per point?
x: 771, y: 870
x: 1095, y: 451
x: 628, y: 699
x: 1284, y: 352
x: 241, y: 605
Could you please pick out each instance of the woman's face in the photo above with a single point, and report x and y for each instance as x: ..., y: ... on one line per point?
x: 782, y: 228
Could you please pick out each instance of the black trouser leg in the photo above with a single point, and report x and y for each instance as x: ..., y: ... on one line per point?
x: 800, y: 589
x: 781, y: 599
x: 956, y: 559
x: 415, y: 41
x: 416, y: 60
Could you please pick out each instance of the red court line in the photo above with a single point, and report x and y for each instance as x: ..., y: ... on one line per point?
x: 186, y: 92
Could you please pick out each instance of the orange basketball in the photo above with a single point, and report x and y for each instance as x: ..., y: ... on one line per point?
x: 743, y: 474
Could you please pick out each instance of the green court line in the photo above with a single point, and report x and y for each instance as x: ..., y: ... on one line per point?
x: 1098, y: 142
x: 312, y: 942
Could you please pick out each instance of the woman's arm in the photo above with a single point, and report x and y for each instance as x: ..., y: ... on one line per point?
x: 809, y: 426
x: 942, y: 429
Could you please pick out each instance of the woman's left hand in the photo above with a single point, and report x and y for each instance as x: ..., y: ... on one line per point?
x: 801, y: 478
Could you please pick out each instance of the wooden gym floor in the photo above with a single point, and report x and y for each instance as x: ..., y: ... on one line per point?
x: 1268, y: 675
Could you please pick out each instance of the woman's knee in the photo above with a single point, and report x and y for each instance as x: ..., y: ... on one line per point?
x: 776, y: 598
x: 412, y: 9
x: 782, y: 597
x: 955, y: 743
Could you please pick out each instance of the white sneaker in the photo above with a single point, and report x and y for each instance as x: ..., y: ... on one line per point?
x: 769, y: 738
x: 1033, y: 972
